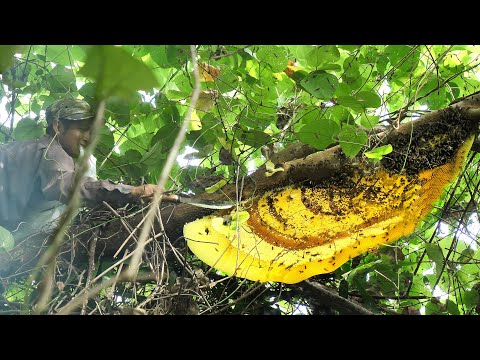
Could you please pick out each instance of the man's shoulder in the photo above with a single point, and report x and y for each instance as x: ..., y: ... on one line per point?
x: 28, y: 149
x: 22, y: 144
x: 45, y: 141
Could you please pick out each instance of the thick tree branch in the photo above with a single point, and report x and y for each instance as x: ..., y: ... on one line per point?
x: 325, y: 296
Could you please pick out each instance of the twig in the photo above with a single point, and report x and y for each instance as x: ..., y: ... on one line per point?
x: 125, y: 225
x: 79, y: 283
x: 216, y: 57
x: 119, y: 262
x: 118, y: 275
x: 91, y: 271
x: 245, y: 295
x: 334, y: 300
x: 74, y: 302
x: 114, y: 146
x: 393, y: 297
x: 78, y: 300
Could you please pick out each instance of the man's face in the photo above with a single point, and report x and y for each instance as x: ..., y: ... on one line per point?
x: 77, y: 134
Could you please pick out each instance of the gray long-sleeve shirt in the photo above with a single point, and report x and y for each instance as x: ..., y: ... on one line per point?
x: 35, y: 174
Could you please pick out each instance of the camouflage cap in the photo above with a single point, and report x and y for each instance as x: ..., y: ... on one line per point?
x: 68, y: 109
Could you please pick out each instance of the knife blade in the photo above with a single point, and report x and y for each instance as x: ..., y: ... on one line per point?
x: 207, y: 204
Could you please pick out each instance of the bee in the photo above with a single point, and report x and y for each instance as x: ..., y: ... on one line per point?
x: 227, y: 220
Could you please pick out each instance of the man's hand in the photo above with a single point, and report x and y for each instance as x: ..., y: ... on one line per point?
x: 144, y: 191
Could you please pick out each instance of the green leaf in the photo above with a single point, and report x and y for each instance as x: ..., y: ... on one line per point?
x: 115, y: 72
x: 379, y: 152
x: 343, y: 90
x: 159, y: 54
x: 27, y: 129
x: 216, y: 186
x: 398, y: 57
x: 331, y: 67
x: 18, y: 291
x: 105, y: 143
x: 361, y: 101
x: 349, y: 48
x: 359, y: 271
x: 323, y: 56
x: 299, y: 75
x: 435, y: 254
x: 88, y: 92
x: 177, y: 55
x: 253, y: 138
x: 170, y: 115
x: 17, y: 75
x: 351, y: 73
x: 360, y: 286
x: 131, y: 163
x: 16, y: 105
x: 351, y: 139
x: 466, y: 255
x: 431, y: 308
x: 350, y: 102
x: 79, y: 52
x: 368, y: 122
x: 205, y: 151
x: 7, y: 241
x: 452, y: 308
x: 319, y: 134
x: 275, y: 56
x: 35, y: 107
x: 137, y: 140
x: 320, y: 84
x: 239, y: 217
x: 61, y: 80
x: 300, y: 52
x: 454, y: 89
x: 227, y: 81
x: 270, y: 168
x: 154, y: 156
x: 439, y: 99
x: 343, y: 289
x: 166, y: 136
x: 59, y: 54
x: 7, y: 53
x: 471, y: 298
x: 396, y: 53
x: 152, y: 123
x: 258, y: 117
x: 338, y: 113
x: 368, y: 99
x: 118, y: 109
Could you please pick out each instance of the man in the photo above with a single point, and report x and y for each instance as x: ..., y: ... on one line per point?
x: 37, y: 176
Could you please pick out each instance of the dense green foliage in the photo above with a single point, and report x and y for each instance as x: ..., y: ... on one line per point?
x: 257, y: 99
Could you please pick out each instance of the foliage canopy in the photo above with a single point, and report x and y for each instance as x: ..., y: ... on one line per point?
x: 255, y: 101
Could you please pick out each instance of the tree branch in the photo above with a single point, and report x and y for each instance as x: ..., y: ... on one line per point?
x: 328, y: 297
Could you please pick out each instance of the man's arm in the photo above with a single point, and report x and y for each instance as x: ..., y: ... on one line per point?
x: 57, y: 174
